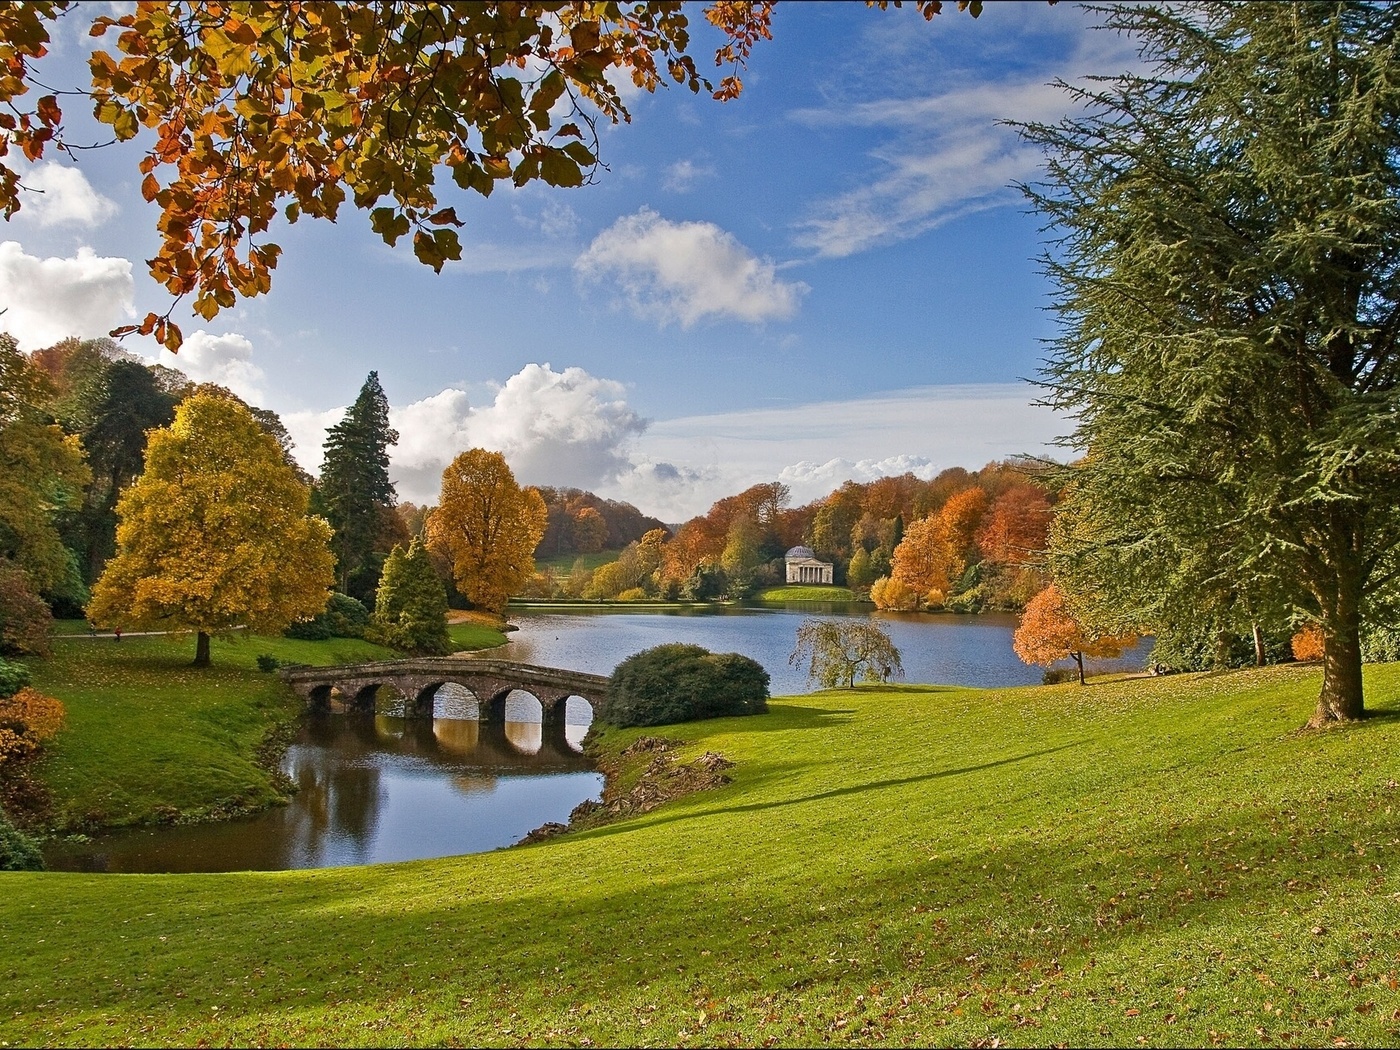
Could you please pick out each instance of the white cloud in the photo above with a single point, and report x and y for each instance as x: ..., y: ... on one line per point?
x: 682, y: 176
x: 48, y: 300
x: 60, y: 195
x: 687, y: 271
x: 554, y: 428
x: 224, y: 359
x: 946, y: 155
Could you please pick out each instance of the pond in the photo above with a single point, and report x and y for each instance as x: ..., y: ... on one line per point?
x: 942, y: 648
x: 373, y: 789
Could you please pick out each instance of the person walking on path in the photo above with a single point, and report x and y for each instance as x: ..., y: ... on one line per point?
x: 117, y: 633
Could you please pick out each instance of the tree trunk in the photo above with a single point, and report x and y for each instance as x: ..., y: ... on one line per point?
x: 1079, y: 659
x: 1258, y: 646
x: 1341, y: 699
x: 201, y: 649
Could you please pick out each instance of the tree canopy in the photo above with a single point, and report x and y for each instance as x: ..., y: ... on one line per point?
x: 215, y: 533
x: 268, y: 111
x: 838, y: 651
x: 1227, y: 254
x: 354, y: 491
x: 1050, y: 631
x: 488, y: 526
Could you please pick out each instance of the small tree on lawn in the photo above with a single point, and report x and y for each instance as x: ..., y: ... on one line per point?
x: 836, y: 651
x: 411, y: 610
x: 1049, y: 631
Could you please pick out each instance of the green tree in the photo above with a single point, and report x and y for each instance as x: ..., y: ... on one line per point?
x: 1227, y: 255
x: 354, y: 490
x: 410, y: 610
x: 215, y: 533
x: 677, y: 683
x: 838, y: 651
x: 42, y: 472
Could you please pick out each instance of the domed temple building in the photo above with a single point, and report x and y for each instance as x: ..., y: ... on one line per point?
x: 803, y: 566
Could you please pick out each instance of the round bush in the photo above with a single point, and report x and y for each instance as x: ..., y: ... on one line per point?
x: 680, y: 683
x: 18, y: 852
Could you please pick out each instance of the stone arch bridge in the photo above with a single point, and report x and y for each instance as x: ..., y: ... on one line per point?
x: 490, y: 681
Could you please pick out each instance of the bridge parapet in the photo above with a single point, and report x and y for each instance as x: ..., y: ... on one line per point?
x: 419, y: 680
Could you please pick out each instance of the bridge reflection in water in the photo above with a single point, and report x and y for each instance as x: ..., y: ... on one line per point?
x: 371, y: 789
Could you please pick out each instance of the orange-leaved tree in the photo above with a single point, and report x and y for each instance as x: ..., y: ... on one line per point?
x: 215, y: 533
x: 1049, y: 631
x: 488, y: 526
x: 27, y: 719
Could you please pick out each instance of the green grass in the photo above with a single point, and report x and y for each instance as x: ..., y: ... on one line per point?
x: 563, y: 564
x: 1167, y: 861
x: 148, y: 737
x: 806, y: 593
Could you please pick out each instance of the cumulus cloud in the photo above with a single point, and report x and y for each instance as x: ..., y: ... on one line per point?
x: 224, y: 359
x: 554, y: 428
x: 60, y: 195
x: 686, y: 272
x: 48, y: 300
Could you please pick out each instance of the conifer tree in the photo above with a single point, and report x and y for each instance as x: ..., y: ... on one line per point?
x: 355, y: 489
x: 410, y: 612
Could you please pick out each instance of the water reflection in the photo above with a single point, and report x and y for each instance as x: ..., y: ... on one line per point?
x: 373, y: 789
x: 942, y: 648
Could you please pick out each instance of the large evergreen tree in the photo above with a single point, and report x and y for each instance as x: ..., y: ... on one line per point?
x: 355, y: 492
x: 1227, y: 234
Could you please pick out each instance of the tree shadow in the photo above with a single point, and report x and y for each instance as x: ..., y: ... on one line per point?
x: 853, y: 789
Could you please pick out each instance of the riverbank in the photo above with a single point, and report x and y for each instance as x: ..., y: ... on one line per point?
x: 1168, y: 860
x: 150, y: 739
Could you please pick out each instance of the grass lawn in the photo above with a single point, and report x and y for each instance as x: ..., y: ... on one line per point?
x: 1166, y: 861
x: 148, y: 737
x: 806, y: 593
x: 563, y: 564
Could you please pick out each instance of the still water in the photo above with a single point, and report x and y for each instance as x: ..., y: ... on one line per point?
x: 372, y: 789
x: 380, y: 788
x: 943, y: 648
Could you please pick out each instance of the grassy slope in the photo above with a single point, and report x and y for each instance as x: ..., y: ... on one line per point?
x: 1165, y: 860
x: 806, y: 593
x: 149, y: 737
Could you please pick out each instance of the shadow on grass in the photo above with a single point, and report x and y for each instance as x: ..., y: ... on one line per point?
x: 852, y: 789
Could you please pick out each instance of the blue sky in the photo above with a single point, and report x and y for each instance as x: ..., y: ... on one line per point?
x: 828, y: 278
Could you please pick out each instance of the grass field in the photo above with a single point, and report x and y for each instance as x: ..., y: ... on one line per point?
x: 150, y: 738
x: 1162, y: 861
x: 563, y: 564
x: 806, y: 593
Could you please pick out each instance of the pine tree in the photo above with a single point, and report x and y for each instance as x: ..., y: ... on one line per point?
x: 411, y: 610
x: 355, y: 488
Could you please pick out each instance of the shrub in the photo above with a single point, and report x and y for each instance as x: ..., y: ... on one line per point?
x: 894, y: 595
x: 633, y: 594
x: 26, y: 720
x: 18, y: 852
x: 268, y: 663
x: 1059, y: 675
x: 343, y: 617
x: 1380, y: 644
x: 969, y: 601
x: 25, y: 620
x: 13, y: 677
x: 1308, y: 644
x: 679, y: 683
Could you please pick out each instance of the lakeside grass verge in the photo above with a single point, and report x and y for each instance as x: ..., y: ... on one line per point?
x: 806, y: 593
x: 1161, y: 860
x: 149, y: 738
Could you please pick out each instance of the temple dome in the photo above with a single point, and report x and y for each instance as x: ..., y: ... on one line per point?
x: 802, y: 552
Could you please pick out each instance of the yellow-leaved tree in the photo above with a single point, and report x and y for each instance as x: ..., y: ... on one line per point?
x: 215, y: 533
x: 488, y: 526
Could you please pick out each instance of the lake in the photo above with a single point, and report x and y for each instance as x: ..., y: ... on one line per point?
x: 380, y: 788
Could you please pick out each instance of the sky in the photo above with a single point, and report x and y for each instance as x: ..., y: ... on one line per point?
x: 831, y: 278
